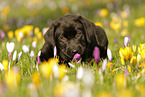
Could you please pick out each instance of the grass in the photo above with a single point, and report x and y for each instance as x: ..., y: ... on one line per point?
x: 41, y: 19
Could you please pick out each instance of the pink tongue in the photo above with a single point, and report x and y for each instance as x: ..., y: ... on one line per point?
x: 76, y: 57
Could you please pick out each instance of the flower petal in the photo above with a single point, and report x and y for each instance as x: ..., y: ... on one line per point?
x: 109, y: 54
x: 10, y: 46
x: 96, y: 54
x: 77, y: 57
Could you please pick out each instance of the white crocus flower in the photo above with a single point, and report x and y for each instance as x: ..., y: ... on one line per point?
x: 34, y: 44
x: 32, y: 54
x: 104, y: 64
x: 88, y: 79
x: 25, y: 48
x: 109, y: 54
x: 39, y: 53
x: 38, y: 59
x: 10, y: 46
x: 1, y: 67
x: 87, y: 82
x: 33, y: 90
x: 21, y: 35
x: 80, y: 73
x: 65, y: 79
x: 55, y: 71
x: 71, y: 65
x: 19, y: 55
x: 55, y: 51
x: 15, y: 55
x: 44, y: 31
x: 126, y: 41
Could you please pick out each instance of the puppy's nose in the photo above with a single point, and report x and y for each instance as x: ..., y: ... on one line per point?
x: 75, y: 51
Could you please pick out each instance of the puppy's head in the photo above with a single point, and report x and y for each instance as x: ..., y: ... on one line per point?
x: 70, y: 38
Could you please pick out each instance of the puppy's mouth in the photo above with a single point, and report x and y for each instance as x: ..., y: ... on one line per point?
x: 69, y: 56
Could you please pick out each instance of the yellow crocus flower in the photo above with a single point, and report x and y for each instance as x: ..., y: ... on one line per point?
x: 129, y: 68
x: 46, y: 67
x: 27, y: 29
x: 133, y: 59
x: 10, y: 34
x: 115, y: 25
x: 114, y: 70
x: 39, y: 35
x: 59, y: 90
x: 109, y: 65
x: 62, y: 71
x: 143, y: 54
x: 36, y: 30
x: 134, y: 48
x: 142, y: 46
x: 127, y: 53
x: 46, y: 70
x: 103, y: 12
x: 125, y: 24
x: 53, y: 61
x: 36, y: 79
x: 5, y: 64
x: 125, y: 93
x: 124, y: 32
x: 142, y: 64
x: 139, y: 50
x: 120, y: 80
x: 104, y: 94
x: 98, y: 24
x: 139, y: 22
x: 121, y: 53
x: 19, y: 39
x: 122, y: 61
x: 12, y: 79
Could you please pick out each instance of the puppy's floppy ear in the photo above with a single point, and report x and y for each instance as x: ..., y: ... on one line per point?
x: 95, y: 36
x: 47, y: 49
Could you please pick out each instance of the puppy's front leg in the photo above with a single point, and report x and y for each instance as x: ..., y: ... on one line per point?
x: 46, y: 52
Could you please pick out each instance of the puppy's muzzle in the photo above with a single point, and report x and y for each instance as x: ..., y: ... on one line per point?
x: 72, y: 51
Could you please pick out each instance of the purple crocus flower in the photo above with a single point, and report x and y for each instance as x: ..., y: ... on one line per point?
x: 77, y: 57
x: 129, y: 37
x: 115, y: 41
x: 96, y: 54
x: 38, y: 59
x: 2, y: 35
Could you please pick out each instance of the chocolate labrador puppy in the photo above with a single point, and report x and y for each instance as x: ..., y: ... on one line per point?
x: 73, y: 34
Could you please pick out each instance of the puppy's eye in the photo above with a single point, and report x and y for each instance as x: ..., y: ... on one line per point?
x: 78, y: 34
x: 62, y: 38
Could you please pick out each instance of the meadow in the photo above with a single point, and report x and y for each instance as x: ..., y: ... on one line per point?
x: 22, y: 26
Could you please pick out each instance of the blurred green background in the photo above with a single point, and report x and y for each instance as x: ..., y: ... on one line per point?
x: 17, y: 13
